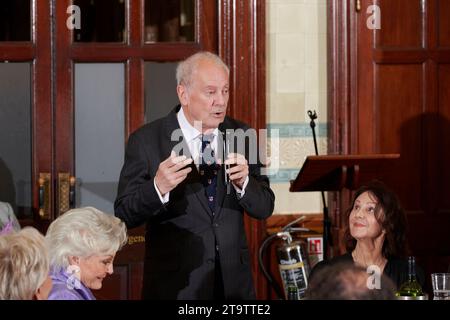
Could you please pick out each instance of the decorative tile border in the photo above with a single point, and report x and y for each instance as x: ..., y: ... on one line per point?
x: 284, y: 176
x: 293, y: 151
x: 298, y: 130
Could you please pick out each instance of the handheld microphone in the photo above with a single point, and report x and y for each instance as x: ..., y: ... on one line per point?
x: 226, y: 151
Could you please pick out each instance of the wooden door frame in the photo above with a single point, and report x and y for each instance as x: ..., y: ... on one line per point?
x: 242, y: 36
x: 341, y: 73
x: 38, y: 53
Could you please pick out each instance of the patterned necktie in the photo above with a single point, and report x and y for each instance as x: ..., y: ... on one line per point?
x: 208, y: 171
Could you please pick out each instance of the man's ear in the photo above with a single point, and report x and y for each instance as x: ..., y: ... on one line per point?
x: 183, y: 95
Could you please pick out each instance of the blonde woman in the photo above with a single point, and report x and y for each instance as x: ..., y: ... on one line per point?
x: 82, y: 245
x: 24, y: 266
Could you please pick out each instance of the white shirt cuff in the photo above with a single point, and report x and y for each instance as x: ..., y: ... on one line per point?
x: 164, y: 199
x: 240, y: 191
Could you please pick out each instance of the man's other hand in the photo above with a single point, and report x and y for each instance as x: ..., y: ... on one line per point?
x: 171, y: 172
x: 239, y: 169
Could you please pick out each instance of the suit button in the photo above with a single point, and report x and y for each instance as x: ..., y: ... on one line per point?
x: 215, y: 225
x: 210, y: 261
x: 217, y: 247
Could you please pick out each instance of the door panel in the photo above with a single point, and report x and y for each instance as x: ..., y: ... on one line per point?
x: 443, y: 127
x: 99, y: 131
x: 402, y: 24
x: 15, y: 137
x: 443, y: 23
x: 169, y: 21
x: 398, y: 97
x: 102, y: 21
x: 15, y: 20
x: 159, y: 77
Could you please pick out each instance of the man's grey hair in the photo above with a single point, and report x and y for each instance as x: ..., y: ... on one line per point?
x: 186, y: 68
x: 84, y: 232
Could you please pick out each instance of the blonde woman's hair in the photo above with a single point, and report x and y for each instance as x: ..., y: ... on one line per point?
x: 84, y: 232
x: 24, y: 264
x: 186, y: 68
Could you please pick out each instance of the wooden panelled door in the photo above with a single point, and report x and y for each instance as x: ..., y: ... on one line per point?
x: 390, y: 93
x: 26, y: 134
x: 93, y: 72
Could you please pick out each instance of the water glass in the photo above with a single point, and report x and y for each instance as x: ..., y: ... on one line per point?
x: 441, y: 286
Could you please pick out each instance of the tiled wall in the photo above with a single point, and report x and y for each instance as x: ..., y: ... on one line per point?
x: 296, y: 83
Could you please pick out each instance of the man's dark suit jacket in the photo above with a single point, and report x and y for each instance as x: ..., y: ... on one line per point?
x: 181, y: 235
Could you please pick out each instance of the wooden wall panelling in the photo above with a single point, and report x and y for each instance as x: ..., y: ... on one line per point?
x: 398, y: 91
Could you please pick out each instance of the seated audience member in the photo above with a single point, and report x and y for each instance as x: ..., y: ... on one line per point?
x: 346, y: 281
x: 375, y: 234
x: 82, y: 245
x: 8, y: 220
x: 24, y: 266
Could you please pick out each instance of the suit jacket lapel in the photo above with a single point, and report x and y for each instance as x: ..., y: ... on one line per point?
x: 173, y: 131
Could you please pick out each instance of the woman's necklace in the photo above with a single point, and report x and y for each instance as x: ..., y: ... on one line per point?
x: 361, y: 260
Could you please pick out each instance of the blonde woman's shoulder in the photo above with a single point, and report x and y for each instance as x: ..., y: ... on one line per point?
x: 7, y: 215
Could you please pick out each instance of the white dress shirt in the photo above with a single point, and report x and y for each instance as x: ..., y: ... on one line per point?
x: 193, y: 138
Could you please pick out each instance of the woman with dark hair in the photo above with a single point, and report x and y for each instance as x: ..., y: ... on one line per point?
x: 375, y: 235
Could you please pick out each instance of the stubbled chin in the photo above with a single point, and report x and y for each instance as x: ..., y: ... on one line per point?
x: 214, y: 122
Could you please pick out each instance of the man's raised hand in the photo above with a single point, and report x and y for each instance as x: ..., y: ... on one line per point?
x: 171, y: 172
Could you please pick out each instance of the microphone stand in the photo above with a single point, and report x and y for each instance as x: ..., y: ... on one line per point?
x: 327, y: 240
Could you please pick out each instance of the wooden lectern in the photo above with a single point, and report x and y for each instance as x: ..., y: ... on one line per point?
x: 336, y: 172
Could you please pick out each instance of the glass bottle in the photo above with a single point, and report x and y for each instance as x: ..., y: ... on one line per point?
x: 292, y: 292
x: 410, y: 288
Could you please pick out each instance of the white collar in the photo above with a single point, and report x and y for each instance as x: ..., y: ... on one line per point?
x: 190, y: 132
